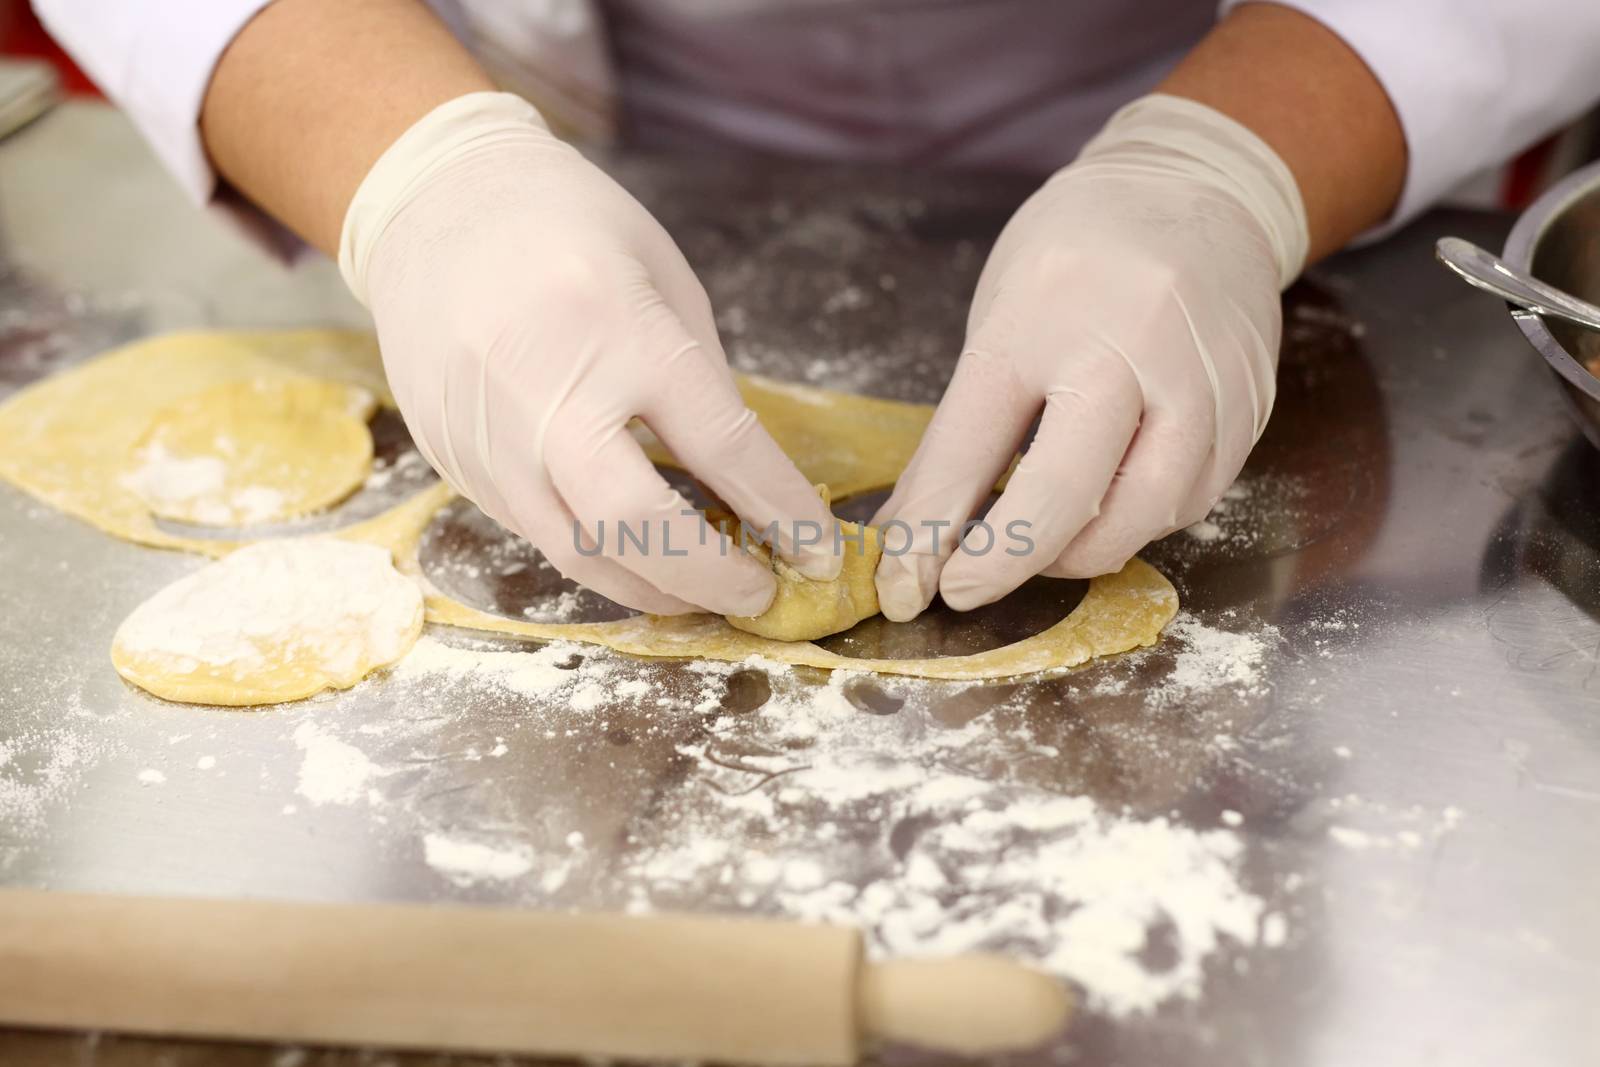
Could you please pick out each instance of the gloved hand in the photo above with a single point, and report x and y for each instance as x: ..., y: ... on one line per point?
x: 527, y: 308
x: 1134, y: 300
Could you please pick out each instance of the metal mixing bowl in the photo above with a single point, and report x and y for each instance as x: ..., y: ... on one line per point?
x: 1558, y: 240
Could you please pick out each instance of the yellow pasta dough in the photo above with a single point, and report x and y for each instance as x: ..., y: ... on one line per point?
x: 67, y: 440
x: 278, y: 620
x: 804, y: 609
x: 264, y: 450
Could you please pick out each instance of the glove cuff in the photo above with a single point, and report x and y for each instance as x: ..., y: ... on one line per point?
x: 1208, y: 146
x: 407, y: 165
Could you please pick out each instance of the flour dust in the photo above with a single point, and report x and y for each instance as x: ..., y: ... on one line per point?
x: 808, y: 801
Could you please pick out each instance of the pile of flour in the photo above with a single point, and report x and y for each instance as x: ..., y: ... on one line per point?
x: 333, y: 771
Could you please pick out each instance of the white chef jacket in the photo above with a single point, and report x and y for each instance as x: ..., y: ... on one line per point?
x: 1017, y: 84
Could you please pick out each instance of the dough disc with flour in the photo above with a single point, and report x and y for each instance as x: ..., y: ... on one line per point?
x: 276, y: 621
x: 256, y: 451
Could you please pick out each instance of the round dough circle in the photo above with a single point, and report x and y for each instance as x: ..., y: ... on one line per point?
x: 277, y: 621
x: 255, y: 451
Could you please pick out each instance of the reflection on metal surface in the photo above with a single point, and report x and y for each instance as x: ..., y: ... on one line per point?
x: 45, y: 328
x: 1554, y: 534
x: 746, y: 690
x: 473, y: 559
x: 1315, y: 489
x: 861, y: 507
x: 869, y: 696
x: 1033, y: 608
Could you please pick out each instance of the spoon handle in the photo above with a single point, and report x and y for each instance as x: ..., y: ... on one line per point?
x: 1488, y: 272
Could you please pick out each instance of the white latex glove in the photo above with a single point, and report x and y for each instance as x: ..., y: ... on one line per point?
x: 1134, y: 301
x: 527, y: 308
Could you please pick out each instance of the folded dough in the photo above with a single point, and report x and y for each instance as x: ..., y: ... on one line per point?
x: 804, y: 609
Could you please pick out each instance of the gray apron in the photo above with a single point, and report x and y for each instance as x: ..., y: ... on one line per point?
x: 996, y: 84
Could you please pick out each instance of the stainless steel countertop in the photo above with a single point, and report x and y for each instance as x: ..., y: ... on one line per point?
x: 1416, y: 771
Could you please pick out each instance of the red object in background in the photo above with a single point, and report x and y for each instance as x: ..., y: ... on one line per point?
x: 1528, y: 175
x: 21, y: 35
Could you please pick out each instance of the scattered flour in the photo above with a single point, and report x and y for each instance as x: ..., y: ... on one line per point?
x: 564, y: 607
x: 1384, y: 828
x: 808, y: 807
x: 467, y: 863
x: 332, y: 771
x: 1251, y: 516
x: 1274, y: 930
x: 943, y: 860
x: 41, y: 766
x: 1210, y: 657
x: 1350, y: 838
x: 151, y: 776
x: 531, y: 672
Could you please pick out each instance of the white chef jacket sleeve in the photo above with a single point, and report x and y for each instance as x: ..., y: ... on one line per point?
x: 1473, y: 81
x: 154, y: 59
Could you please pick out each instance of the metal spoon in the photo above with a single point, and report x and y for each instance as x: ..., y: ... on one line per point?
x: 1492, y: 274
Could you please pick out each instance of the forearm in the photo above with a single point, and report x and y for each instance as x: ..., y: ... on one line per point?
x: 1301, y: 89
x: 309, y: 94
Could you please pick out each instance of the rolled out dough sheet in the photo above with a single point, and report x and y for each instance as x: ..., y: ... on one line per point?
x: 70, y: 439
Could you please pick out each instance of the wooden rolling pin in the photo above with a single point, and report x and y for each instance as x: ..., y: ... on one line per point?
x: 480, y: 980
